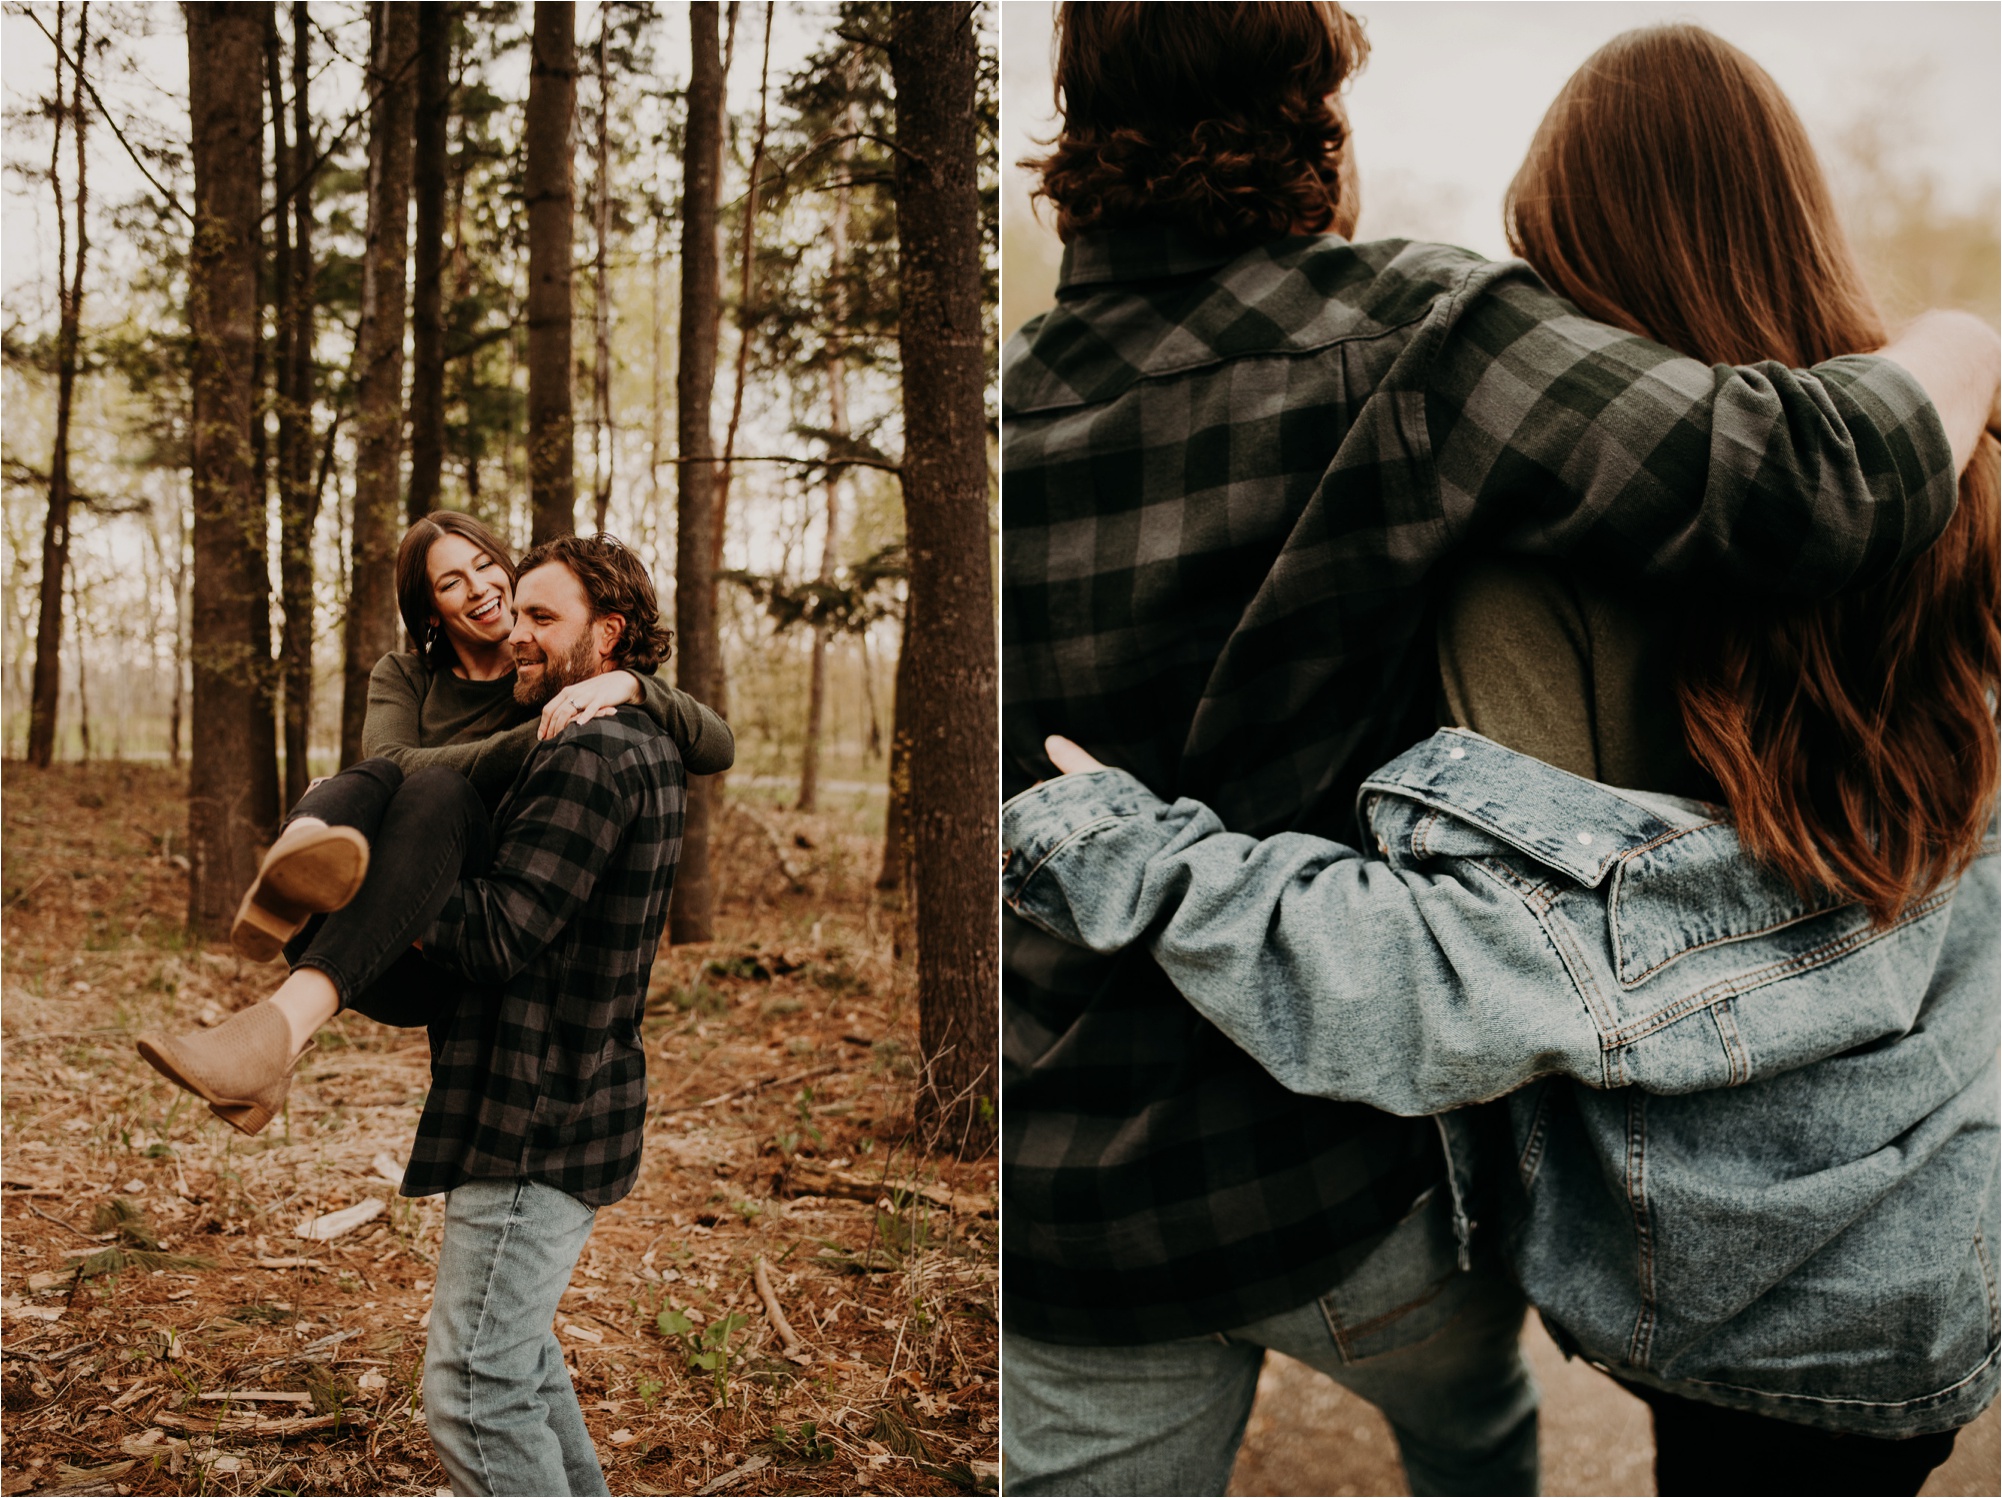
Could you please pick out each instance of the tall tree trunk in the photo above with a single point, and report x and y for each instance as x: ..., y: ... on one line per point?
x: 427, y: 308
x: 692, y: 916
x: 183, y: 633
x: 298, y: 495
x: 837, y: 431
x: 602, y: 448
x: 225, y: 100
x: 260, y: 769
x: 285, y: 399
x: 897, y: 814
x: 82, y: 672
x: 371, y: 630
x: 47, y: 691
x: 552, y: 96
x: 955, y: 792
x: 719, y: 688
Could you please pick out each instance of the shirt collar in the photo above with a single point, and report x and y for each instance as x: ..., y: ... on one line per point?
x: 1135, y: 253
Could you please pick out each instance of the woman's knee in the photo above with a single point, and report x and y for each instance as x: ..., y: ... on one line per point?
x: 441, y: 796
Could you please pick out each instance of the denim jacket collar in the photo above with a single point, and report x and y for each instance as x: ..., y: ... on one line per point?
x: 1578, y: 827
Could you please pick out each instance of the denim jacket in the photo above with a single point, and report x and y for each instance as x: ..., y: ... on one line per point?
x: 1757, y: 1138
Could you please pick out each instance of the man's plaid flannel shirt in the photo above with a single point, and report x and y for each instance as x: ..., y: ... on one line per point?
x: 539, y: 1075
x: 1229, y: 488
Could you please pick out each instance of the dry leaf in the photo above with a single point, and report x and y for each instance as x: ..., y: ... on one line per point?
x: 385, y: 1166
x: 623, y: 1438
x: 151, y: 1443
x: 583, y: 1333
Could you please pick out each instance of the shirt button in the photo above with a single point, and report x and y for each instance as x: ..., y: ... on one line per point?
x: 1584, y: 837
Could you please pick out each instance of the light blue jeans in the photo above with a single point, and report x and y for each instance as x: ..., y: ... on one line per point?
x: 1437, y: 1349
x: 503, y: 1416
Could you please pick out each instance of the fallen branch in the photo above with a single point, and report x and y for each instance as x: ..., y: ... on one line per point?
x: 758, y: 1086
x: 773, y: 1314
x: 810, y: 1178
x: 781, y: 855
x: 257, y: 1425
x: 734, y: 1475
x: 87, y: 1237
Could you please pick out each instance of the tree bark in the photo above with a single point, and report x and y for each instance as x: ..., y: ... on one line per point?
x: 547, y: 187
x: 46, y: 694
x: 427, y: 309
x: 225, y: 100
x: 298, y: 495
x: 692, y: 915
x: 897, y: 813
x: 602, y: 449
x: 955, y: 791
x: 837, y: 429
x: 371, y: 626
x: 260, y: 768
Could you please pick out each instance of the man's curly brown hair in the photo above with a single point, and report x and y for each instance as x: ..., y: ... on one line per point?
x: 616, y: 582
x: 1217, y: 119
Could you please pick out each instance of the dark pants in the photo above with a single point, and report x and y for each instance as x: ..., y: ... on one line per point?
x: 424, y: 831
x: 1703, y: 1448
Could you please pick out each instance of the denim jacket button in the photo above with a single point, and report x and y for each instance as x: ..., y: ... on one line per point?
x: 1456, y: 754
x: 1584, y: 837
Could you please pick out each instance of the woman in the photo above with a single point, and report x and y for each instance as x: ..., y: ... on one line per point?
x: 1745, y: 1259
x: 445, y: 735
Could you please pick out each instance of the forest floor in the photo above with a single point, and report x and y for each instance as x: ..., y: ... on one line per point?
x: 166, y: 1330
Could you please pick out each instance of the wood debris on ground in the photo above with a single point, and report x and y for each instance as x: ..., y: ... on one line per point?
x: 164, y: 1328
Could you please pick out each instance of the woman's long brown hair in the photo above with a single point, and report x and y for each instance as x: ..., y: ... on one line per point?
x: 1672, y: 191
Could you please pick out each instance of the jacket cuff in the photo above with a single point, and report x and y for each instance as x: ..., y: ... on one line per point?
x: 1035, y: 824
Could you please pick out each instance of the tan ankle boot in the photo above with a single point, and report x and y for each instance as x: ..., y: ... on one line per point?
x: 242, y: 1068
x: 308, y: 870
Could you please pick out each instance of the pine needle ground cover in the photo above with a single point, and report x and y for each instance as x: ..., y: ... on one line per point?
x: 165, y: 1329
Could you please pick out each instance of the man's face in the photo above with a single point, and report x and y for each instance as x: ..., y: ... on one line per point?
x: 556, y: 640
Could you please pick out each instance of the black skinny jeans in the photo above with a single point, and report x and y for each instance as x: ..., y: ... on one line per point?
x: 1704, y: 1448
x: 424, y: 831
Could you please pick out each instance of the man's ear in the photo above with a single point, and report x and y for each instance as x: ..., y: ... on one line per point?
x: 606, y: 632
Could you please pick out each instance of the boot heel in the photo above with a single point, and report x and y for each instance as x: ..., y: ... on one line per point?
x: 305, y: 872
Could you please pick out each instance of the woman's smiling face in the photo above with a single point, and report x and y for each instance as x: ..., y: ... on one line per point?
x: 470, y: 597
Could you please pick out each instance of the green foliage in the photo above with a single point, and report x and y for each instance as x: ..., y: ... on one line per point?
x: 706, y: 1348
x: 803, y: 1445
x: 846, y: 604
x: 138, y: 1247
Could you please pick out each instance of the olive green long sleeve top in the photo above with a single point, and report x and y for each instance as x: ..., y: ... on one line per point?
x: 1567, y: 669
x: 418, y: 717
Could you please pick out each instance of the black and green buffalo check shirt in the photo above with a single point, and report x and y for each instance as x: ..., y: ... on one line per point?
x: 1231, y: 489
x: 539, y: 1074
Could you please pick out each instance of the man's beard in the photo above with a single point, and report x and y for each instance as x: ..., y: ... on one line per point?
x: 558, y: 672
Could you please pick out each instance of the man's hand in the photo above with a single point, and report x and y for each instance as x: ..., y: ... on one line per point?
x: 1067, y: 757
x: 582, y: 701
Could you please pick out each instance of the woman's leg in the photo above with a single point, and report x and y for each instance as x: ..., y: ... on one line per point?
x: 319, y: 860
x: 431, y: 828
x: 356, y: 797
x: 1704, y: 1448
x: 434, y: 828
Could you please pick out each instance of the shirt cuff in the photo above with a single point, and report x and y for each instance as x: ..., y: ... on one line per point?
x: 1038, y: 822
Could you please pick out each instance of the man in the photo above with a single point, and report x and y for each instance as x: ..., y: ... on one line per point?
x: 538, y: 1096
x: 1236, y: 456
